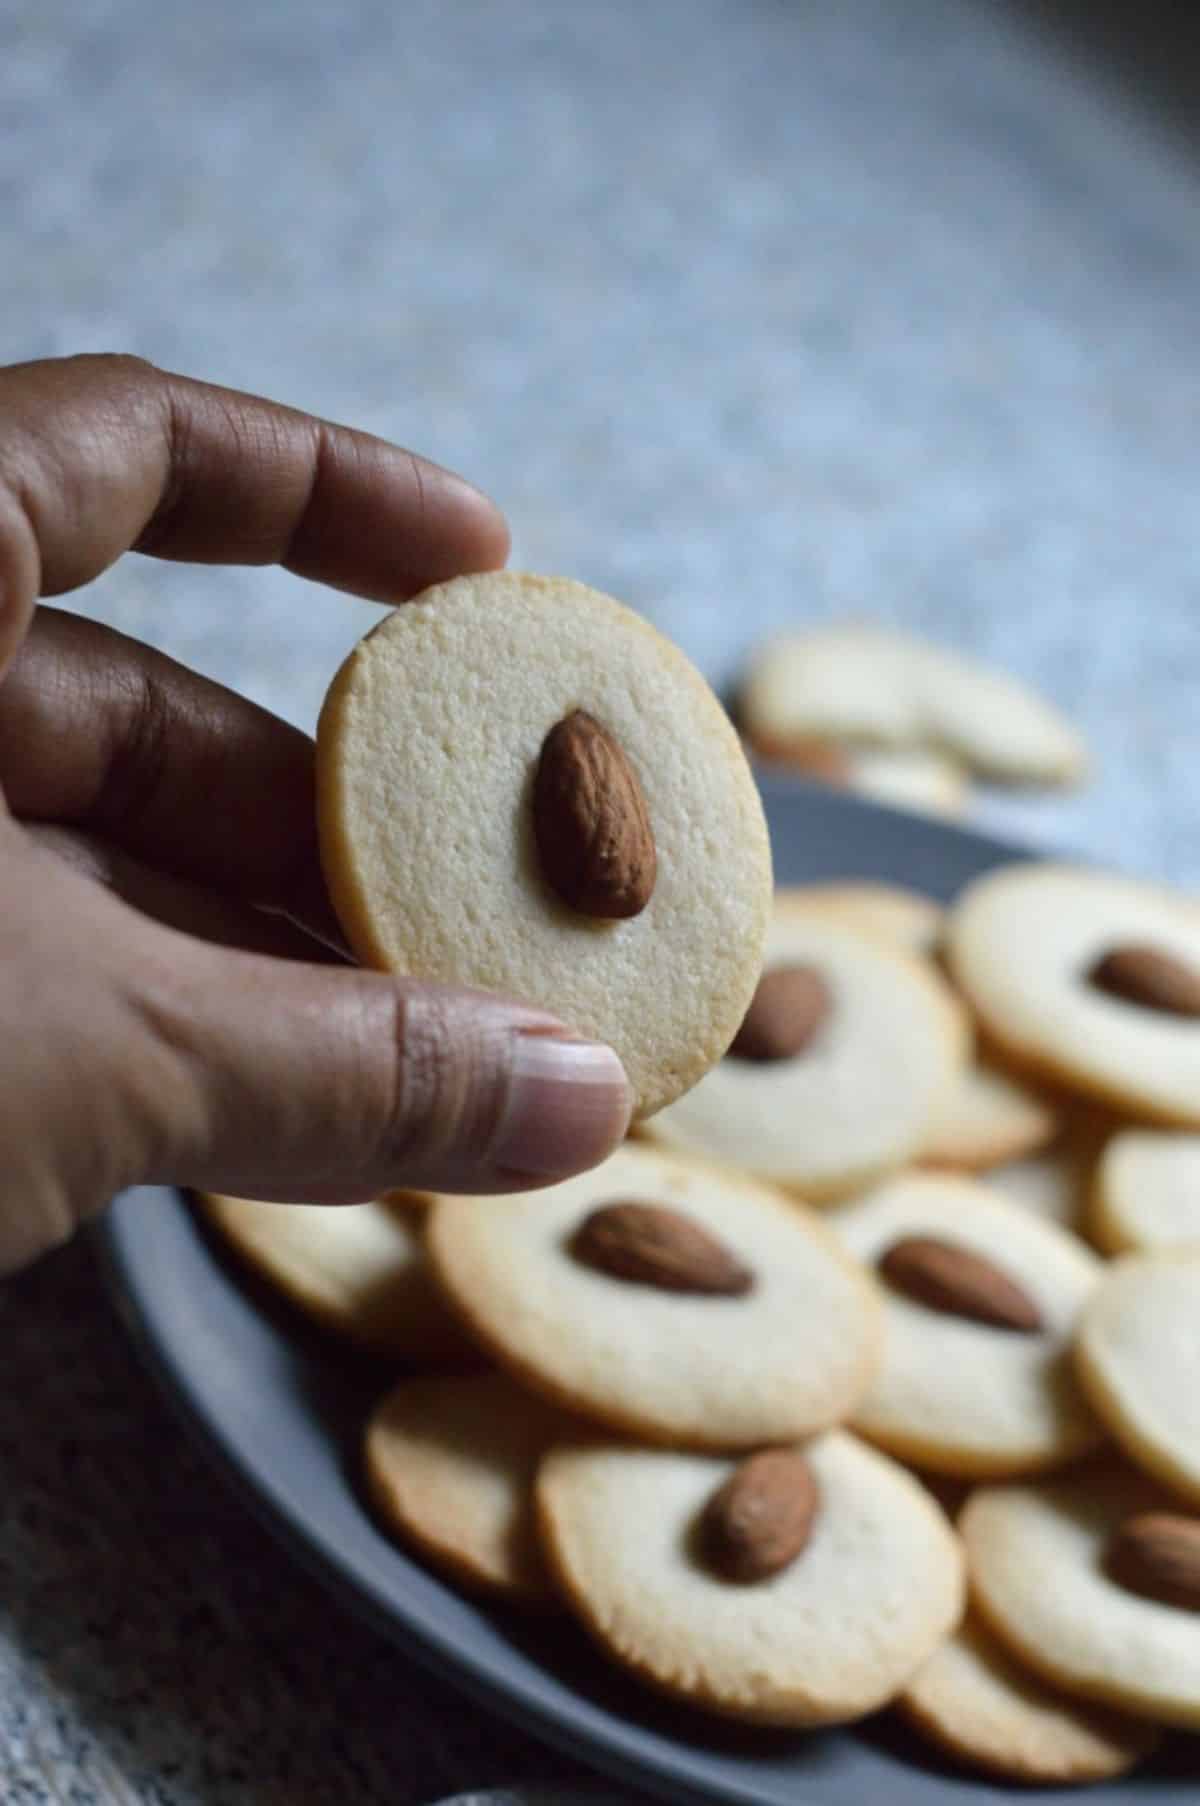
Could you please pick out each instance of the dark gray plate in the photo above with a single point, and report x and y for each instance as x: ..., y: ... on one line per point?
x: 283, y: 1411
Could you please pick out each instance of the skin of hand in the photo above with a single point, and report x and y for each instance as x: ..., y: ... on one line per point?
x: 175, y: 1003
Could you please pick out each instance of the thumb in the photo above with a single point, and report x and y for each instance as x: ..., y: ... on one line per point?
x: 323, y: 1084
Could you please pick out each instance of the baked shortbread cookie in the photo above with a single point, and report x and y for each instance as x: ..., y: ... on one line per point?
x: 1137, y: 1353
x: 974, y: 1700
x: 359, y: 1269
x: 450, y: 1461
x: 846, y: 1056
x: 873, y: 685
x: 674, y: 1301
x: 911, y: 778
x: 1093, y: 1581
x: 891, y: 912
x: 799, y: 1587
x: 1089, y: 979
x: 904, y: 777
x: 1146, y: 1192
x: 523, y: 786
x: 1047, y: 1183
x: 982, y: 1302
x: 990, y: 1117
x: 1054, y: 1182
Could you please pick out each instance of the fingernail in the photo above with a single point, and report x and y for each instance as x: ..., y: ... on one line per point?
x: 568, y: 1105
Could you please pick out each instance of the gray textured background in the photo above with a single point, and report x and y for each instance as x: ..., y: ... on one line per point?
x: 746, y: 312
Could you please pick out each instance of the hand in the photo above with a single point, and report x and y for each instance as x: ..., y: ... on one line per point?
x: 174, y: 1004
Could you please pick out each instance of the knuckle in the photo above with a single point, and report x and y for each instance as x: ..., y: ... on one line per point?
x: 445, y: 1094
x: 139, y: 755
x: 122, y: 369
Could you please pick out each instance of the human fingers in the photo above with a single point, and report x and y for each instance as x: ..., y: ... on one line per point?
x: 102, y: 733
x: 144, y: 1054
x: 204, y: 914
x: 101, y: 455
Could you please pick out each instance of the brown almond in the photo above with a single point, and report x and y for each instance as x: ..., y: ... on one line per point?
x: 1150, y: 977
x: 1157, y: 1554
x: 652, y: 1245
x: 591, y: 823
x: 953, y: 1279
x: 786, y: 1011
x: 760, y: 1520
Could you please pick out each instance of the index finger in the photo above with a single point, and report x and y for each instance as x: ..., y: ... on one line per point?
x: 101, y: 455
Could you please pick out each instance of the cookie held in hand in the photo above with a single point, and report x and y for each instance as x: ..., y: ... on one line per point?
x: 522, y: 786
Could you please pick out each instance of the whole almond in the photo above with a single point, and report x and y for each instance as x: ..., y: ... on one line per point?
x: 761, y: 1518
x: 590, y: 821
x: 947, y: 1277
x: 786, y: 1011
x: 1157, y: 1554
x: 1150, y: 977
x: 652, y: 1245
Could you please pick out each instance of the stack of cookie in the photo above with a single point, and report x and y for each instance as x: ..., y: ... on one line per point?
x: 822, y: 1393
x: 863, y: 707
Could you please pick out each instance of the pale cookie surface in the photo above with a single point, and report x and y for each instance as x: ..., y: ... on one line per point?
x: 1021, y: 943
x: 1146, y: 1191
x: 871, y: 684
x: 891, y: 912
x: 1054, y: 1183
x: 974, y: 1700
x: 427, y: 749
x: 359, y: 1269
x: 909, y: 778
x: 989, y: 1117
x: 827, y: 1639
x: 790, y: 1355
x: 904, y: 777
x: 860, y: 1098
x: 1037, y: 1558
x: 450, y: 1465
x: 964, y: 1397
x: 1138, y: 1356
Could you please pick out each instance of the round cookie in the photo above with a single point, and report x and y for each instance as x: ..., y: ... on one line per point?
x: 1026, y: 944
x: 892, y: 912
x: 861, y: 1094
x: 871, y: 684
x: 829, y: 1638
x: 910, y: 778
x: 902, y: 777
x: 438, y: 812
x: 1137, y: 1353
x: 1054, y: 1182
x: 1146, y: 1192
x: 450, y: 1462
x: 1038, y: 1561
x: 778, y: 1342
x: 989, y: 1117
x: 358, y: 1269
x: 973, y: 1700
x: 953, y: 1393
